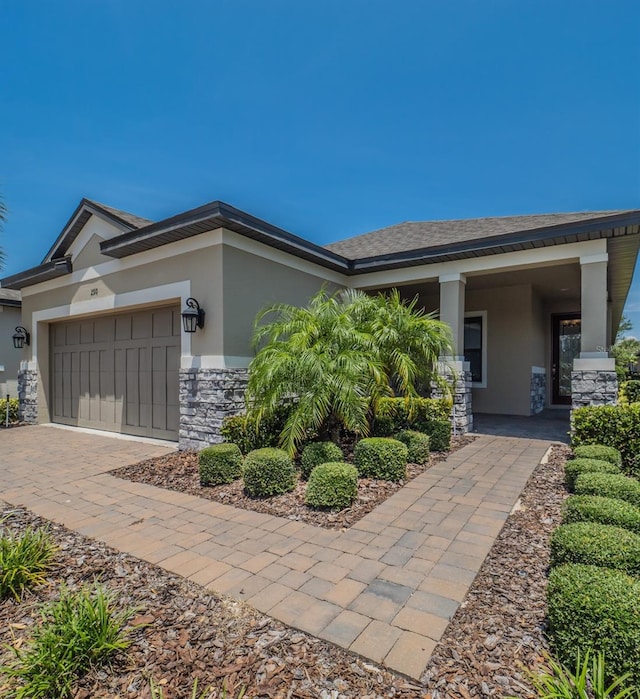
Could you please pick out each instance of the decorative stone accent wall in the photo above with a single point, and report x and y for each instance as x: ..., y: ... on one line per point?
x: 460, y: 381
x: 593, y: 387
x: 28, y: 395
x: 538, y: 389
x: 207, y: 396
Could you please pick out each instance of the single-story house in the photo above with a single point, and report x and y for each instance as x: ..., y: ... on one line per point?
x: 10, y: 319
x: 533, y: 301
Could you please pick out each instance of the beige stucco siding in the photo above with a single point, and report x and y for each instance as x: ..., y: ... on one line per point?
x: 509, y: 352
x: 250, y: 284
x: 9, y: 355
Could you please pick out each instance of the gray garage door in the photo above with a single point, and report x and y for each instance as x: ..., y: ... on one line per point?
x: 118, y: 372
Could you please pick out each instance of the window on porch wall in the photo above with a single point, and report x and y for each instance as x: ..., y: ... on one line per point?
x: 474, y: 346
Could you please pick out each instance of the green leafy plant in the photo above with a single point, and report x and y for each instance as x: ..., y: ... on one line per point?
x: 219, y: 463
x: 78, y: 631
x: 598, y: 451
x: 615, y: 426
x: 632, y: 390
x: 317, y: 453
x: 596, y: 544
x: 25, y: 560
x: 418, y: 445
x: 610, y: 485
x: 14, y: 407
x: 575, y: 467
x: 249, y: 434
x: 589, y: 680
x: 268, y: 472
x: 595, y: 609
x: 382, y: 458
x: 596, y: 508
x: 334, y: 484
x: 338, y: 356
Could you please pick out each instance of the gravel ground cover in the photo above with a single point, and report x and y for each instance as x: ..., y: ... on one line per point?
x: 185, y: 632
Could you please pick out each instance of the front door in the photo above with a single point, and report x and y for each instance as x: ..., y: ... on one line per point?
x: 566, y: 347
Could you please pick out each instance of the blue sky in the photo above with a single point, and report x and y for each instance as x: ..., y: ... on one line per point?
x: 326, y: 118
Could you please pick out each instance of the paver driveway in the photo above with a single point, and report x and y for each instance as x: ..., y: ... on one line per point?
x: 385, y: 588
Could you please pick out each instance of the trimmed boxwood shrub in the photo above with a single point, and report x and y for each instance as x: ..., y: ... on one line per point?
x: 595, y: 609
x: 595, y: 508
x: 598, y: 451
x: 609, y: 485
x: 219, y: 463
x: 333, y: 484
x: 243, y: 431
x: 382, y: 458
x: 591, y: 543
x: 439, y: 432
x: 632, y: 390
x: 417, y: 444
x: 268, y: 472
x: 575, y: 467
x: 318, y: 453
x: 614, y: 425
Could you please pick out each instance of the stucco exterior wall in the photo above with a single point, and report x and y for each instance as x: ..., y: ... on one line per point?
x: 9, y: 355
x: 250, y: 284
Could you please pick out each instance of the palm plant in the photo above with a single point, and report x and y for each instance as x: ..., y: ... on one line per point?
x: 334, y: 360
x: 319, y: 358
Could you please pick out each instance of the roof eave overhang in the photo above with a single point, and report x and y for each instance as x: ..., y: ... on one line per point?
x: 11, y: 303
x: 220, y: 215
x: 36, y: 275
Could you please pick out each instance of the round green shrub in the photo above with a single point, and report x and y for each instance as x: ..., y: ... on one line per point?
x: 598, y: 451
x: 595, y: 508
x: 591, y: 543
x: 381, y: 458
x: 417, y: 444
x: 219, y: 463
x: 609, y: 485
x: 268, y: 472
x: 575, y: 467
x: 439, y: 432
x: 595, y: 609
x: 317, y: 453
x: 333, y: 484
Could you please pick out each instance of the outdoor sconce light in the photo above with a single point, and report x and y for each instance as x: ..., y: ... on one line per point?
x: 21, y: 337
x: 192, y: 316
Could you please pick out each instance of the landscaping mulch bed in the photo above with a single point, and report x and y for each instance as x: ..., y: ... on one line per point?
x: 191, y: 633
x: 179, y: 471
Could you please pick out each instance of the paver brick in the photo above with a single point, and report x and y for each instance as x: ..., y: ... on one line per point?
x: 375, y: 641
x: 345, y: 628
x: 410, y: 654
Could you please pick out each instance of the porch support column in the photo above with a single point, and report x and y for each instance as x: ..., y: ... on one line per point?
x: 454, y: 369
x: 593, y: 379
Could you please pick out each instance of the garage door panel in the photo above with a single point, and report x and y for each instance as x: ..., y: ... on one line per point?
x: 112, y: 373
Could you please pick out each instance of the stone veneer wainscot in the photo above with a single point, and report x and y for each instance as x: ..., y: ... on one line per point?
x: 207, y: 396
x: 28, y: 395
x: 593, y: 387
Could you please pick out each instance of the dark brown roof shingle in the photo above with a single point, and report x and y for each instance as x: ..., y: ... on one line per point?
x: 416, y: 235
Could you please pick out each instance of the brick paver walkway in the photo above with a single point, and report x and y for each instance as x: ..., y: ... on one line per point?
x: 385, y: 588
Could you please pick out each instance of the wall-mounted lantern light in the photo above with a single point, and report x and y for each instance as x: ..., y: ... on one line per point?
x: 192, y: 316
x: 21, y: 337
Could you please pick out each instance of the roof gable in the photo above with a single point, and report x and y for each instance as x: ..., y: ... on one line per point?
x: 120, y: 222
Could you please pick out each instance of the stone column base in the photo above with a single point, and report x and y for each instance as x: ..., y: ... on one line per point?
x: 589, y: 387
x: 207, y: 396
x: 457, y: 375
x: 28, y: 396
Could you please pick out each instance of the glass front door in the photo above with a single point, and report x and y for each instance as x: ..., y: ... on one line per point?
x: 566, y: 347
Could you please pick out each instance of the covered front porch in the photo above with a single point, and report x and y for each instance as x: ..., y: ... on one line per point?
x: 531, y: 330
